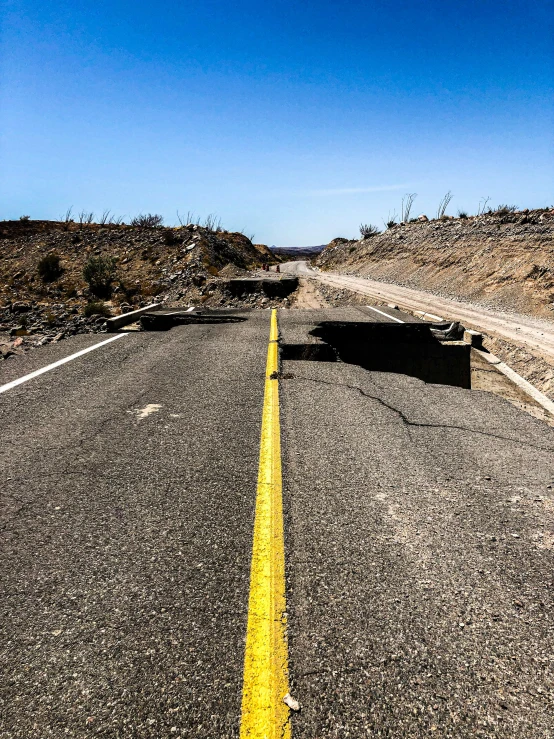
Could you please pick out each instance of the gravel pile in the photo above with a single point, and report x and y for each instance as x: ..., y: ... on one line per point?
x: 336, y: 297
x: 27, y: 325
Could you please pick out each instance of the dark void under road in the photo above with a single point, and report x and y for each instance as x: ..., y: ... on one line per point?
x: 419, y: 542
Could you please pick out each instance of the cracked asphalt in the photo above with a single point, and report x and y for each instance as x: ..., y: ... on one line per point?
x: 419, y: 523
x: 420, y: 530
x: 126, y: 541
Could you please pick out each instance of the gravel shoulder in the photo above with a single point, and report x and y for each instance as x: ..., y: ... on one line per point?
x: 536, y: 333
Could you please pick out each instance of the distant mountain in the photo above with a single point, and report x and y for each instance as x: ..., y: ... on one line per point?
x: 298, y: 252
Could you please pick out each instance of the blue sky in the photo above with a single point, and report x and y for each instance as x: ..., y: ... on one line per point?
x: 293, y: 121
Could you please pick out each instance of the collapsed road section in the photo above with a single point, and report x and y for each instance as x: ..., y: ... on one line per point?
x: 420, y: 522
x: 377, y: 341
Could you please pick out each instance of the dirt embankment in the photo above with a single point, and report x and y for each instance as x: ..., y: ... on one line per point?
x: 180, y: 265
x: 501, y: 260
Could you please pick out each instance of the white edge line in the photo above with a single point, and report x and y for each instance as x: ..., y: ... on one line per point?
x: 36, y: 373
x: 422, y: 314
x: 189, y: 310
x: 518, y: 380
x: 385, y: 314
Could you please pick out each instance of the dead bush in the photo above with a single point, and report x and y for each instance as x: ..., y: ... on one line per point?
x: 99, y: 273
x: 367, y: 230
x: 147, y: 220
x: 504, y: 210
x: 49, y: 268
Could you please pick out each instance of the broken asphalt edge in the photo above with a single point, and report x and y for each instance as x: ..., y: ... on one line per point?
x: 112, y: 324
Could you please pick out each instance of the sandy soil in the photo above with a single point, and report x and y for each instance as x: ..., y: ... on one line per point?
x: 503, y: 261
x: 307, y: 295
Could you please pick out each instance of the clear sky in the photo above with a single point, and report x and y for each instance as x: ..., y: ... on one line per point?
x: 293, y: 120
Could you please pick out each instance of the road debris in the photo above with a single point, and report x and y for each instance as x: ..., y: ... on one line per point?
x: 291, y: 702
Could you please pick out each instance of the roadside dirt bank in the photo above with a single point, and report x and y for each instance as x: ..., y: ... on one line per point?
x: 502, y: 260
x: 186, y: 265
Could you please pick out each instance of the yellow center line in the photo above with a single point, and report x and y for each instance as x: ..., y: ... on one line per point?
x: 264, y: 715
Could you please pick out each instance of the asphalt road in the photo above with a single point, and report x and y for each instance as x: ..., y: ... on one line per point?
x: 535, y: 333
x: 419, y: 525
x: 128, y: 488
x: 420, y: 532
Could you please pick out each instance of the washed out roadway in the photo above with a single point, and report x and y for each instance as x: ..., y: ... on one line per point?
x: 536, y: 333
x: 419, y: 525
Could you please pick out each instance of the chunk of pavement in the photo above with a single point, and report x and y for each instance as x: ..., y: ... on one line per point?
x: 291, y: 702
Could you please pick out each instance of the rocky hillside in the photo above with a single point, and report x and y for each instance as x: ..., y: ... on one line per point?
x: 177, y: 264
x: 292, y: 253
x: 503, y: 259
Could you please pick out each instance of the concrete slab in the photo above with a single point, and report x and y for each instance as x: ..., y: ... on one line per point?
x: 163, y: 320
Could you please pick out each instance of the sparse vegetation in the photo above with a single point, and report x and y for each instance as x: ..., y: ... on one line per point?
x: 213, y: 223
x: 100, y: 272
x: 391, y: 219
x: 407, y: 202
x: 443, y: 205
x: 367, y: 230
x: 99, y: 261
x: 147, y: 220
x: 24, y: 218
x: 67, y: 218
x: 109, y: 220
x: 483, y: 206
x: 506, y: 250
x: 86, y: 218
x: 188, y: 219
x: 49, y: 268
x: 97, y: 308
x: 504, y: 210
